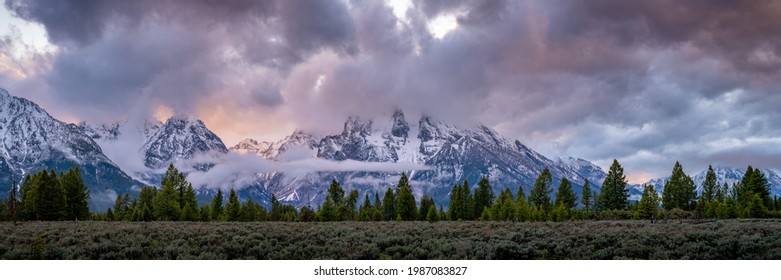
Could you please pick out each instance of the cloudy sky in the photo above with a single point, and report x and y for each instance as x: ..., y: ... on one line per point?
x: 646, y: 82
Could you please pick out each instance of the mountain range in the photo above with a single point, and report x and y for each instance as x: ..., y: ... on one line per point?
x: 31, y: 140
x: 120, y: 157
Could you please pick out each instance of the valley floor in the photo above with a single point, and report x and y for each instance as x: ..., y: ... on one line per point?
x: 721, y: 239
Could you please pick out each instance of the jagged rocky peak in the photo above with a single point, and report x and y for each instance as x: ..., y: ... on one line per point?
x: 355, y: 126
x: 180, y: 138
x: 428, y: 130
x: 399, y: 126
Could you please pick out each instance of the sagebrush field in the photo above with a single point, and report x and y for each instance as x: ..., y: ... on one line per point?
x: 728, y: 239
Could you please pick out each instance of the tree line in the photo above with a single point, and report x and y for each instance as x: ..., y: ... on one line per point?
x: 46, y: 196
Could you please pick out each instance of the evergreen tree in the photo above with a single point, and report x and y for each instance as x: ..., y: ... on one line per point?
x: 486, y: 214
x: 50, y: 203
x: 679, y: 191
x: 327, y: 211
x: 649, y: 203
x: 504, y: 207
x: 389, y: 205
x: 456, y: 208
x: 307, y: 214
x: 406, y: 207
x: 378, y: 208
x: 431, y: 215
x: 29, y: 194
x: 484, y: 196
x: 585, y: 199
x: 348, y: 214
x: 468, y: 203
x: 425, y: 203
x: 11, y: 202
x: 216, y: 206
x: 190, y: 211
x: 249, y: 211
x: 277, y: 212
x: 76, y: 195
x: 753, y: 182
x: 540, y: 193
x: 565, y: 196
x: 233, y: 208
x: 614, y: 193
x: 167, y: 203
x: 710, y: 187
x: 365, y: 211
x: 336, y: 192
x: 522, y: 209
x: 206, y: 213
x: 122, y: 209
x: 756, y: 207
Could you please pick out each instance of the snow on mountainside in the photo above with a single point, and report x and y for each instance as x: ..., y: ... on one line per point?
x: 148, y: 147
x: 32, y: 140
x: 723, y: 175
x: 453, y: 153
x: 179, y: 138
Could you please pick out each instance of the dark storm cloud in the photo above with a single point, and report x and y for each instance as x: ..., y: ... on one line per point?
x: 647, y: 82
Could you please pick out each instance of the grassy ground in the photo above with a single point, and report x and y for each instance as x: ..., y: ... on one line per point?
x: 725, y: 239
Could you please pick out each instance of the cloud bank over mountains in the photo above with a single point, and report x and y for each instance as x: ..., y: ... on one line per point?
x: 645, y: 82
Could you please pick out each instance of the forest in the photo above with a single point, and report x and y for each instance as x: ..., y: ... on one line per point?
x: 47, y: 196
x: 46, y: 220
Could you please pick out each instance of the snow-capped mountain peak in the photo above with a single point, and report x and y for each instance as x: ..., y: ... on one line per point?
x: 32, y: 140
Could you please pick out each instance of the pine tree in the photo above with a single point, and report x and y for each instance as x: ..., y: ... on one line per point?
x: 406, y: 207
x: 76, y: 195
x: 122, y: 209
x: 51, y: 204
x: 504, y: 207
x: 585, y: 199
x: 327, y: 211
x: 11, y: 202
x: 484, y: 196
x: 389, y: 205
x: 365, y: 211
x: 614, y: 193
x: 190, y: 211
x: 486, y: 214
x: 249, y: 211
x: 649, y: 203
x: 336, y: 192
x: 216, y: 206
x: 469, y: 205
x: 431, y: 215
x: 378, y: 208
x: 522, y: 209
x: 29, y: 194
x: 710, y: 187
x: 233, y: 208
x: 454, y: 212
x: 206, y: 213
x: 167, y: 203
x: 348, y: 214
x: 565, y: 196
x: 540, y: 193
x: 425, y: 204
x: 679, y: 191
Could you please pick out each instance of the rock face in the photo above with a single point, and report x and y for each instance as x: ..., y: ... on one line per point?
x: 452, y: 154
x: 32, y: 140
